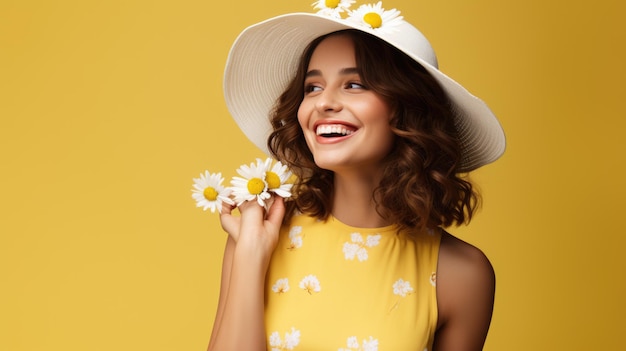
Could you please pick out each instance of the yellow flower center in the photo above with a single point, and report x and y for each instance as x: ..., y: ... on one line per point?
x: 256, y: 186
x: 373, y: 19
x: 272, y: 179
x: 332, y: 3
x: 210, y: 193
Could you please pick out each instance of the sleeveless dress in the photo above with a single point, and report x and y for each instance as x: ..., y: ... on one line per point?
x: 335, y: 287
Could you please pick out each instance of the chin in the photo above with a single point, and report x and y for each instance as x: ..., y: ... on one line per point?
x: 330, y: 162
x: 326, y: 164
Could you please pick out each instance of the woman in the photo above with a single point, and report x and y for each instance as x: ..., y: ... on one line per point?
x: 379, y: 140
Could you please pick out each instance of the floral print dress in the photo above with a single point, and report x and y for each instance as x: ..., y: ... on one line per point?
x: 335, y: 287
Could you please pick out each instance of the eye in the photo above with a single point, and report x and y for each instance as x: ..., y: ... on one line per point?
x: 311, y: 88
x: 355, y: 85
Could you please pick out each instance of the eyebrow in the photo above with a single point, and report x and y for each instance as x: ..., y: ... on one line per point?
x: 344, y: 71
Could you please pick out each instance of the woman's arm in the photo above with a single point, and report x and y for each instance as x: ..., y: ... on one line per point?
x: 239, y: 323
x: 465, y: 296
x: 227, y: 262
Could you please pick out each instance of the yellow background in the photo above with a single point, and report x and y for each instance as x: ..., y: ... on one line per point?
x: 108, y: 109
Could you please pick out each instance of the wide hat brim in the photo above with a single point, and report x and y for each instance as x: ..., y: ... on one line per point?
x: 264, y: 59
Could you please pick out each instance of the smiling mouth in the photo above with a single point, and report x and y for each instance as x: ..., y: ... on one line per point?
x: 333, y: 130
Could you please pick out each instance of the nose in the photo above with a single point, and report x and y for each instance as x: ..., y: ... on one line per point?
x: 328, y: 101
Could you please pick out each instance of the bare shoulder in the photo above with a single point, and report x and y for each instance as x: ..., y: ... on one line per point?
x: 463, y: 258
x: 465, y: 295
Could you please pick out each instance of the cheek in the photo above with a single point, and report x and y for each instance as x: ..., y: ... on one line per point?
x: 303, y: 120
x: 301, y: 112
x: 304, y: 113
x: 374, y: 107
x: 301, y: 117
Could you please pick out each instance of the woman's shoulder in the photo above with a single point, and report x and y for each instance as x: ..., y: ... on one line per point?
x: 465, y: 286
x: 462, y: 266
x: 460, y: 255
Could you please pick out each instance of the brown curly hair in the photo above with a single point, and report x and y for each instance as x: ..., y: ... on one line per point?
x: 421, y: 186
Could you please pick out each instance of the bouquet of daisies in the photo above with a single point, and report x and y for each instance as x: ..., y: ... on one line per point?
x: 255, y: 182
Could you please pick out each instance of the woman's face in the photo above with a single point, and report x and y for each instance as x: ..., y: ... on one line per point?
x: 346, y: 125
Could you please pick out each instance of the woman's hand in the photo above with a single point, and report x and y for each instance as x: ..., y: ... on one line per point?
x: 255, y: 225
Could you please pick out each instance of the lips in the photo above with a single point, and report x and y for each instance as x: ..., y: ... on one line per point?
x: 334, y: 130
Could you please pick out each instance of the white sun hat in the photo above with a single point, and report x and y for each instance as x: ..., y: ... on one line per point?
x: 265, y: 57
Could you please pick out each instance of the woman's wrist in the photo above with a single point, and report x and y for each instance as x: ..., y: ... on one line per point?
x: 253, y: 252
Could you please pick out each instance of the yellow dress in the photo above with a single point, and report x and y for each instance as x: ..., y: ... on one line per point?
x: 335, y: 287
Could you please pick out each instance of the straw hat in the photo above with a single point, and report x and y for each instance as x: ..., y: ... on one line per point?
x: 264, y: 58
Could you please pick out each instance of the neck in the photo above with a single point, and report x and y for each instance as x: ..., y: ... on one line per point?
x: 353, y: 202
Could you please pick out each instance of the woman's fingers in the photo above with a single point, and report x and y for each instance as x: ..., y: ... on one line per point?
x: 252, y: 215
x: 276, y: 211
x: 230, y: 223
x: 254, y: 219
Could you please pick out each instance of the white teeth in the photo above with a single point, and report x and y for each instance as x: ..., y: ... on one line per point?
x: 332, y: 129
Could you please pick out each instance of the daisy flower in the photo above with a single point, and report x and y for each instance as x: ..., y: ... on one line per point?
x: 281, y: 286
x: 251, y: 185
x: 209, y: 192
x: 292, y: 339
x: 332, y: 8
x: 370, y: 344
x: 376, y: 18
x: 276, y: 178
x: 402, y: 288
x: 310, y: 284
x: 295, y: 238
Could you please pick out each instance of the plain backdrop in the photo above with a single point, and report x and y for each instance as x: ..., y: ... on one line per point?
x: 108, y: 109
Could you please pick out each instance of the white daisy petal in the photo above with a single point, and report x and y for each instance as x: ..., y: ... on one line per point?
x: 283, y: 192
x: 266, y: 165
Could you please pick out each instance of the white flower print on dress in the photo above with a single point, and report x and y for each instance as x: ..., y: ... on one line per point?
x: 353, y: 342
x: 292, y: 339
x: 358, y: 247
x: 310, y: 284
x: 370, y: 344
x: 402, y: 288
x: 281, y: 286
x: 295, y: 238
